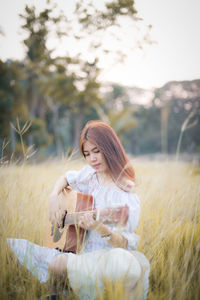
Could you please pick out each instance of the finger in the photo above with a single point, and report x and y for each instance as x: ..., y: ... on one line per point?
x: 80, y: 224
x: 83, y: 224
x: 50, y: 214
x: 58, y: 218
x: 90, y: 218
x: 67, y: 190
x: 62, y: 214
x: 82, y: 219
x: 87, y: 220
x: 51, y: 218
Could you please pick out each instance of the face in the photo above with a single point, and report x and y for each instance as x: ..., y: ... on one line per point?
x: 94, y: 157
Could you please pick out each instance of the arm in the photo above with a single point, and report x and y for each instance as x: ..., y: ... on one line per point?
x: 115, y: 239
x: 54, y: 209
x: 125, y: 237
x: 75, y: 179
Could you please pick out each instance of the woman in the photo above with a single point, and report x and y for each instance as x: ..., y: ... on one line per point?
x: 109, y: 253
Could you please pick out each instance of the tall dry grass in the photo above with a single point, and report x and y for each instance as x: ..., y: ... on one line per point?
x: 169, y: 226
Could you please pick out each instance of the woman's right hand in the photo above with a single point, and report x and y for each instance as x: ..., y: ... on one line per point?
x: 54, y: 210
x: 55, y: 213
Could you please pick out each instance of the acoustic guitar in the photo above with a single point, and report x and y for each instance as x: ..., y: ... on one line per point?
x: 70, y: 237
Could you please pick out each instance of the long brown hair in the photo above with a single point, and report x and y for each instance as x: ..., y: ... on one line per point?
x: 105, y: 139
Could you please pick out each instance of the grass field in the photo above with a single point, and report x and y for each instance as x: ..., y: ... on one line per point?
x: 169, y: 226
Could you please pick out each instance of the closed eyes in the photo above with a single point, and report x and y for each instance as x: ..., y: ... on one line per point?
x: 95, y: 150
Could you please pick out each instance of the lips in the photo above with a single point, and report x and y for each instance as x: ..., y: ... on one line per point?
x: 96, y: 166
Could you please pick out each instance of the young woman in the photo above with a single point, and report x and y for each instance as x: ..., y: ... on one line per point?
x: 109, y: 251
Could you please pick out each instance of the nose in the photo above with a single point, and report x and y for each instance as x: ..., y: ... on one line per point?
x: 93, y: 157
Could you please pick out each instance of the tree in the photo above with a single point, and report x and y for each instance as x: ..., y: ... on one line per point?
x: 12, y: 99
x: 105, y: 27
x: 183, y: 98
x: 87, y: 97
x: 38, y: 61
x: 109, y: 23
x: 60, y: 92
x: 56, y: 88
x: 122, y: 119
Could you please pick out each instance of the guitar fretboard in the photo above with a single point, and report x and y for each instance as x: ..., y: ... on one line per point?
x: 110, y: 215
x: 74, y: 218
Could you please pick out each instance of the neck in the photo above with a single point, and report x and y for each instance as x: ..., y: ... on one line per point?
x: 104, y: 177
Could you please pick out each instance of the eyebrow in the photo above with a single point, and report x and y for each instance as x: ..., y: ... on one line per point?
x: 90, y: 150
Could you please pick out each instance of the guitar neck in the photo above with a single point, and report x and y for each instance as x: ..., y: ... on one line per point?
x: 74, y: 218
x: 107, y: 216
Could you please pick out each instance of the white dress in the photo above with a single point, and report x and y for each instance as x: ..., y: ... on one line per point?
x: 99, y: 260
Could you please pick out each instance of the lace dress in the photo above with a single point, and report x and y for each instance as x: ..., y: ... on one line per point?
x: 99, y: 260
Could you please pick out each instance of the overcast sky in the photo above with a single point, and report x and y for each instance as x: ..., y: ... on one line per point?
x: 176, y: 29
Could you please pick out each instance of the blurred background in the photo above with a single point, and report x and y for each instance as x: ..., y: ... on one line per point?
x: 133, y: 64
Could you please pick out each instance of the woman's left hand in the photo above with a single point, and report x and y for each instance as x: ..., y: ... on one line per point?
x: 87, y: 222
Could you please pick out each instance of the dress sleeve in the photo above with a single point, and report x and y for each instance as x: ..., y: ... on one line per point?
x: 79, y: 180
x: 133, y: 202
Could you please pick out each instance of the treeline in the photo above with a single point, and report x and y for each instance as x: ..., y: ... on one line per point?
x: 45, y: 100
x: 168, y: 123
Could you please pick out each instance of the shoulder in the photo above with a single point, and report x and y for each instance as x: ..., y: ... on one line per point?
x: 86, y: 172
x: 80, y: 175
x: 127, y: 185
x: 121, y: 197
x: 133, y: 199
x: 79, y: 180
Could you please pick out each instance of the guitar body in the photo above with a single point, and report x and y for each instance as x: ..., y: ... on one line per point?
x: 70, y: 238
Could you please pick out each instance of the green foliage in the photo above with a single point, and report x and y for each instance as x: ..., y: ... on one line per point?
x: 120, y: 7
x: 184, y: 99
x: 60, y: 94
x: 37, y: 27
x: 59, y: 86
x: 12, y: 101
x: 110, y: 24
x: 122, y: 119
x: 147, y: 136
x: 41, y: 137
x: 92, y: 18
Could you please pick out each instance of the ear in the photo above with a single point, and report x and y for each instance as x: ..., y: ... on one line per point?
x: 127, y: 185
